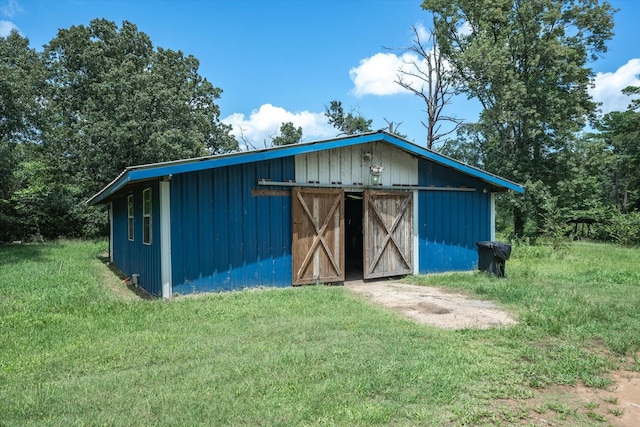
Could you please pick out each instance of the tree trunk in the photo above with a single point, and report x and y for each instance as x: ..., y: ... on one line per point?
x: 518, y: 222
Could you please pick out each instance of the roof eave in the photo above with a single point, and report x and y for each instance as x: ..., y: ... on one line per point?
x: 155, y: 170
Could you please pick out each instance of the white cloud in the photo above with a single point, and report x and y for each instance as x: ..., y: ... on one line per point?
x: 376, y: 75
x: 11, y: 8
x: 264, y: 123
x: 6, y: 27
x: 608, y: 86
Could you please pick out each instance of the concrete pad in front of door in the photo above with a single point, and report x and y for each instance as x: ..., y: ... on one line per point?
x: 434, y: 306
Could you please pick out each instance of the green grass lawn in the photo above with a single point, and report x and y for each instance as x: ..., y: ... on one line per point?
x: 74, y: 353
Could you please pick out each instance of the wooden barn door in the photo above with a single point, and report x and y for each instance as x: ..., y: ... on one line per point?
x: 388, y: 234
x: 318, y: 235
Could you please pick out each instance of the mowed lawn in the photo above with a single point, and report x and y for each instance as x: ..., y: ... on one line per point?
x: 73, y: 352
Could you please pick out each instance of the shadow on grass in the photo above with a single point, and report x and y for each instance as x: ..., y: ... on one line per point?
x: 12, y: 253
x: 125, y: 280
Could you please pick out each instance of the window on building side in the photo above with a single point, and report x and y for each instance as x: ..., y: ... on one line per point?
x: 130, y: 215
x: 146, y: 216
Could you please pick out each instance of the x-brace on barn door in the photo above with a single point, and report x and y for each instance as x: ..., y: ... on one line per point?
x: 388, y: 234
x: 318, y: 235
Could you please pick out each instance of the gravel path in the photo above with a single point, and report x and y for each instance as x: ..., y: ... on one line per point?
x: 434, y: 306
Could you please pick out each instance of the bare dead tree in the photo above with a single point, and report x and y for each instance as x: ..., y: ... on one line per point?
x: 250, y: 145
x: 272, y: 136
x: 429, y: 78
x: 393, y: 127
x: 247, y: 143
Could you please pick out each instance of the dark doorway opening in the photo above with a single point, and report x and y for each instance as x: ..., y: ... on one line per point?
x: 353, y: 236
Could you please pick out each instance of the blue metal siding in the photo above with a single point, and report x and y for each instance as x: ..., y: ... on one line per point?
x: 449, y: 223
x: 134, y: 257
x: 223, y: 237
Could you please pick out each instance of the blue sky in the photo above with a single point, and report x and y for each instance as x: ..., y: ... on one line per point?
x: 285, y: 60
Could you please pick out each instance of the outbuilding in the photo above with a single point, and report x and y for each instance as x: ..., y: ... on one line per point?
x: 365, y: 206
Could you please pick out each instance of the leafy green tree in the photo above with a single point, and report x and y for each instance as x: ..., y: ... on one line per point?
x: 47, y: 206
x: 115, y: 101
x: 468, y: 146
x: 11, y: 156
x: 289, y: 134
x: 21, y: 86
x: 346, y: 123
x: 633, y: 91
x: 100, y: 98
x: 526, y: 62
x: 585, y: 186
x: 621, y: 131
x: 21, y: 105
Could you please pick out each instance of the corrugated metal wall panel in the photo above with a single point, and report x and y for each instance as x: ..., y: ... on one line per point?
x: 233, y: 216
x: 263, y: 234
x: 134, y: 257
x: 206, y: 247
x: 349, y: 165
x: 223, y: 237
x: 451, y: 222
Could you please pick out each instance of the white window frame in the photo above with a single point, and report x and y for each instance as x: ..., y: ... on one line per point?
x: 130, y: 218
x: 147, y: 209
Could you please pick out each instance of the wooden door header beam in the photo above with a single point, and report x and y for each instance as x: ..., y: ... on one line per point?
x: 359, y: 186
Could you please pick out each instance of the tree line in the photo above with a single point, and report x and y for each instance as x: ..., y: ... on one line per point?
x: 527, y: 63
x: 99, y: 98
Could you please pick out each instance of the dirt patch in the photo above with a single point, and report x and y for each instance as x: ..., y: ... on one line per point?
x: 433, y: 306
x: 617, y: 405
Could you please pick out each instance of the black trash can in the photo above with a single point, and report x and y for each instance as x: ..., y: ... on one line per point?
x: 492, y: 257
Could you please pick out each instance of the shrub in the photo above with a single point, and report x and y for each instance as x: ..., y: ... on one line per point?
x: 624, y: 229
